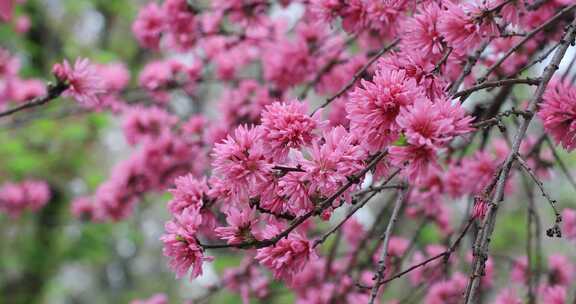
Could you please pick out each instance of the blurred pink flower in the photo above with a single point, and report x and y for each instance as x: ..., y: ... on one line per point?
x: 558, y: 113
x: 84, y: 83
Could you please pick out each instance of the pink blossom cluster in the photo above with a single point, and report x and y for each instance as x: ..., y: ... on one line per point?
x: 29, y: 195
x: 12, y: 87
x: 266, y: 168
x: 20, y: 23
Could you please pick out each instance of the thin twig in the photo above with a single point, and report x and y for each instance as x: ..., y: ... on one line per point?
x: 301, y: 219
x: 358, y: 74
x: 54, y: 91
x: 528, y: 36
x: 540, y: 59
x: 345, y: 219
x: 540, y: 185
x: 497, y: 83
x: 560, y: 162
x: 470, y: 63
x: 484, y: 235
x: 444, y: 254
x: 496, y: 119
x: 386, y: 237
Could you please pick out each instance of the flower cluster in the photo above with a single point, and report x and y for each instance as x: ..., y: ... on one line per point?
x: 31, y: 195
x: 323, y: 109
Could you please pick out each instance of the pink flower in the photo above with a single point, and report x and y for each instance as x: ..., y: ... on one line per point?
x: 424, y: 125
x: 339, y: 76
x: 287, y: 63
x: 288, y: 126
x: 447, y: 292
x: 182, y: 25
x: 9, y: 65
x: 115, y: 76
x: 288, y: 257
x: 554, y: 295
x: 6, y: 8
x: 374, y: 106
x: 24, y: 90
x: 241, y: 223
x: 84, y: 83
x: 353, y: 12
x: 558, y: 113
x: 382, y: 15
x: 245, y: 103
x: 143, y: 124
x: 83, y: 208
x: 507, y: 296
x: 421, y: 161
x: 560, y: 270
x: 569, y: 223
x: 180, y: 244
x: 189, y: 192
x: 37, y: 193
x: 519, y: 273
x: 420, y: 67
x: 337, y: 114
x: 296, y: 187
x: 421, y: 30
x: 149, y: 25
x: 22, y: 24
x: 247, y: 280
x: 513, y: 11
x: 480, y: 208
x: 28, y: 195
x: 333, y: 162
x: 478, y: 171
x: 353, y: 231
x: 157, y: 75
x: 464, y: 26
x: 242, y: 161
x: 158, y: 298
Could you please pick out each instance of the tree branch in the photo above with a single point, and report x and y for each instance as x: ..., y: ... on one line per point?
x: 484, y: 235
x: 358, y: 74
x: 386, y: 237
x: 301, y: 219
x: 497, y: 83
x: 54, y: 91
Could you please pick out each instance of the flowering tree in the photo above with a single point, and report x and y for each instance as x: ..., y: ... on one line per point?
x: 322, y: 140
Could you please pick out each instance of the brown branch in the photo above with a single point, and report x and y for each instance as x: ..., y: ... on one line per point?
x: 386, y: 238
x: 528, y: 36
x: 470, y: 63
x: 561, y: 163
x: 358, y: 74
x: 255, y: 203
x: 485, y: 233
x: 54, y: 91
x: 540, y: 185
x: 540, y: 59
x: 446, y: 254
x: 442, y: 61
x: 344, y: 220
x: 497, y: 83
x: 530, y: 240
x: 498, y: 118
x: 301, y: 219
x: 285, y: 169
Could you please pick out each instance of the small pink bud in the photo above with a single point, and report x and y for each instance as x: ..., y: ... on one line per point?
x: 480, y: 207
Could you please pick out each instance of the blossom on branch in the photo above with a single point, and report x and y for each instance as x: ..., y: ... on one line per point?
x: 82, y: 79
